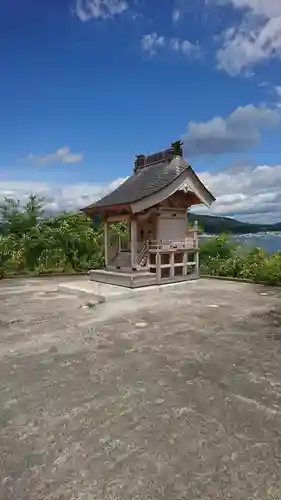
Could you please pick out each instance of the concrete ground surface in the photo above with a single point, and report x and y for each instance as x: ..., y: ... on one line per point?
x: 163, y: 396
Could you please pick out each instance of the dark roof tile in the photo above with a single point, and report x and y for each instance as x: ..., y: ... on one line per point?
x: 145, y: 182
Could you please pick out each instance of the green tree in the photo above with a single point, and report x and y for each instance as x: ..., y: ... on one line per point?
x: 16, y: 219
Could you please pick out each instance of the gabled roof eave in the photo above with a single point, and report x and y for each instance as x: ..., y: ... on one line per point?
x: 199, y: 188
x: 186, y: 177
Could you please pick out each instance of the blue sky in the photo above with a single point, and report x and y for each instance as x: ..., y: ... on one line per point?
x: 85, y: 85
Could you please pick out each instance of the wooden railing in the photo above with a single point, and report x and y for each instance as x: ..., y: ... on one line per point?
x: 171, y: 258
x: 186, y: 244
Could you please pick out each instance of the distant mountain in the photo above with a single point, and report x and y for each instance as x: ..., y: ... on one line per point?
x: 217, y: 225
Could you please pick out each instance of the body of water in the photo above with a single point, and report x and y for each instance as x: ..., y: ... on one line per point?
x: 271, y: 242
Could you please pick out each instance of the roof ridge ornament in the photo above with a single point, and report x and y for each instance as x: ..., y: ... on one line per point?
x: 142, y: 160
x: 177, y: 148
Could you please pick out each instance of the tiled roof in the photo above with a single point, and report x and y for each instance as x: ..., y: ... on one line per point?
x: 145, y: 182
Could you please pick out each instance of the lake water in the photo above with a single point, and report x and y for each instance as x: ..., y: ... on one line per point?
x: 269, y: 241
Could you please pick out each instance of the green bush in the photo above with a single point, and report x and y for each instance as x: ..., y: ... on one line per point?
x: 218, y: 246
x: 218, y: 257
x: 32, y: 244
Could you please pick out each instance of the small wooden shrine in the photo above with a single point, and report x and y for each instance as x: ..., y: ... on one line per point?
x: 154, y: 201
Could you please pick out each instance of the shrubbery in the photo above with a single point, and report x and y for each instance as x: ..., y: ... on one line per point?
x: 218, y: 257
x: 32, y: 244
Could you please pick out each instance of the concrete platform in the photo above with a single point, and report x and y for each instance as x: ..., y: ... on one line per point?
x: 104, y: 292
x: 123, y: 277
x: 133, y: 279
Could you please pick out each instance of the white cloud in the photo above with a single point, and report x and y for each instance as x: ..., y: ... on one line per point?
x: 61, y: 155
x: 58, y: 197
x: 247, y: 193
x: 176, y: 15
x: 278, y: 96
x: 99, y: 9
x: 264, y: 84
x: 264, y: 8
x: 237, y: 132
x: 257, y: 38
x: 251, y: 193
x: 153, y: 42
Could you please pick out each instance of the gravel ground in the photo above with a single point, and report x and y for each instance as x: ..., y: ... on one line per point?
x: 166, y: 396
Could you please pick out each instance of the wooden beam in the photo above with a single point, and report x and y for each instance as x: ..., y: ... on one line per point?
x: 147, y: 213
x: 118, y: 218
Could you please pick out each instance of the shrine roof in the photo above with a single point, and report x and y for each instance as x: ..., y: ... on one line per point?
x: 149, y: 179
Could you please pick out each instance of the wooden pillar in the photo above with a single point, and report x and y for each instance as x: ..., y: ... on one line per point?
x: 148, y: 260
x: 172, y: 264
x: 197, y: 248
x: 134, y: 242
x: 158, y: 266
x: 105, y: 229
x: 185, y: 259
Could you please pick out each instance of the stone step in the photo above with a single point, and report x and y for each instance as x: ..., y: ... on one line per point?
x: 123, y: 259
x: 98, y: 292
x: 94, y: 292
